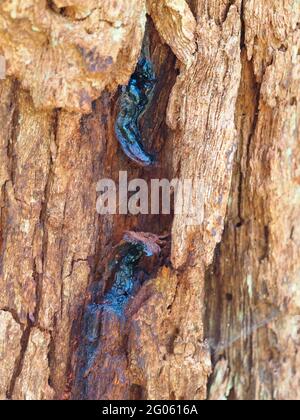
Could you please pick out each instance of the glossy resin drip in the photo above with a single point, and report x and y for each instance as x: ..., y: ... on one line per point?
x: 133, y: 102
x: 105, y: 319
x: 125, y: 282
x: 134, y: 246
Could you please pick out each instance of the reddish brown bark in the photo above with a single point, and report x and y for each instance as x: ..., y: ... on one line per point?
x: 217, y: 314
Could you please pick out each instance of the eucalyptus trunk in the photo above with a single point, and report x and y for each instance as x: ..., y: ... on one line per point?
x: 217, y: 315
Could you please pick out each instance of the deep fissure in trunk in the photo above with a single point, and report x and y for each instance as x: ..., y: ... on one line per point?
x: 108, y: 359
x: 56, y: 250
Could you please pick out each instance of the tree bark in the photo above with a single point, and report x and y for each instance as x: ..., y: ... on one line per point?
x: 217, y: 313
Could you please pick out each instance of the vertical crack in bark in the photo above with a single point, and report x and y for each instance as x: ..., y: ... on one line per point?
x: 14, y: 130
x: 100, y: 380
x: 32, y: 318
x: 43, y: 223
x: 50, y: 356
x: 19, y: 362
x: 257, y: 90
x: 44, y: 249
x: 245, y: 167
x: 241, y: 221
x: 243, y: 25
x: 12, y: 165
x: 266, y: 244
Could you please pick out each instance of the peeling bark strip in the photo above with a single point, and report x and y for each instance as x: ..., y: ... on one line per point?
x: 237, y: 87
x: 205, y: 126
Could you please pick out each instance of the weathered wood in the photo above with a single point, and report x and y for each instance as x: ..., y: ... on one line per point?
x: 222, y: 302
x: 67, y: 52
x: 253, y: 289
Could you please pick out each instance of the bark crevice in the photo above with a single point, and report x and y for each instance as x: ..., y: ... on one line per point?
x: 19, y: 361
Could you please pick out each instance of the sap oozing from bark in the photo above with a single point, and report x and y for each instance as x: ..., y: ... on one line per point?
x: 108, y: 313
x: 133, y: 102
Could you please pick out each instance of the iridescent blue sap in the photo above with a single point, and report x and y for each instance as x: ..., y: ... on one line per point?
x: 125, y: 281
x: 114, y: 302
x: 135, y: 98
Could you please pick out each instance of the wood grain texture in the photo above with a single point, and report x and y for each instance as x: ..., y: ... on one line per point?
x: 10, y: 348
x: 176, y: 25
x: 67, y: 52
x: 218, y: 315
x: 253, y: 288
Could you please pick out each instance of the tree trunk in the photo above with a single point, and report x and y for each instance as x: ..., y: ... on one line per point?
x: 217, y: 314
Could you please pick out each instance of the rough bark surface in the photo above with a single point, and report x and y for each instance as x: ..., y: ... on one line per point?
x: 253, y: 287
x: 67, y: 52
x: 217, y: 314
x: 10, y: 347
